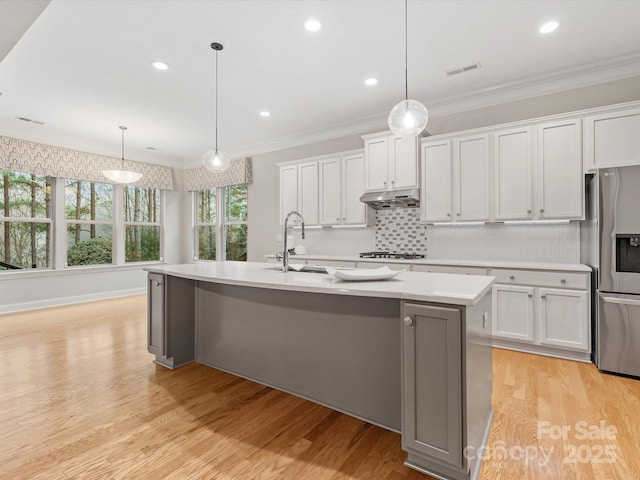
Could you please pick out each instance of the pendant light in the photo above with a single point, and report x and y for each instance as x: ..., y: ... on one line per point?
x: 215, y: 159
x: 122, y: 176
x: 409, y: 117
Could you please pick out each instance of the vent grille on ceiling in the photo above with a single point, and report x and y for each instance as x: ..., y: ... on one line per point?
x: 468, y: 68
x: 25, y: 119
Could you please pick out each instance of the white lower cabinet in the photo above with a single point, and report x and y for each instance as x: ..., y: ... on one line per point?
x: 513, y: 313
x: 563, y: 318
x: 551, y: 321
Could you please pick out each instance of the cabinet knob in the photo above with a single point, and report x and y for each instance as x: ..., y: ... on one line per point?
x: 542, y: 210
x: 157, y: 283
x: 530, y: 295
x: 448, y: 214
x: 528, y: 211
x: 511, y: 277
x: 408, y: 321
x: 563, y: 281
x: 344, y: 218
x: 543, y: 296
x: 338, y: 219
x: 458, y: 214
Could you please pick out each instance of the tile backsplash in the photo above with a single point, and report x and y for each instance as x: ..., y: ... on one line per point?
x: 399, y: 230
x: 548, y: 243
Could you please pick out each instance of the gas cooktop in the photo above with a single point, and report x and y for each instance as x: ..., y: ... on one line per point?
x: 403, y: 256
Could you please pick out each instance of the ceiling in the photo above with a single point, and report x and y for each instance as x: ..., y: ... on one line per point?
x: 83, y: 67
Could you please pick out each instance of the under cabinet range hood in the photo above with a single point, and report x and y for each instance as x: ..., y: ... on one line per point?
x: 409, y: 197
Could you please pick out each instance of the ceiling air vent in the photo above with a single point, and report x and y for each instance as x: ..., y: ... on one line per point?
x: 25, y: 119
x: 456, y: 71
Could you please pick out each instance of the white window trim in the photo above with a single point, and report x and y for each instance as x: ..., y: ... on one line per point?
x: 219, y: 224
x: 59, y: 222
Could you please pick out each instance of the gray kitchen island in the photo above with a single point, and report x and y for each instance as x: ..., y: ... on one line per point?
x: 411, y: 354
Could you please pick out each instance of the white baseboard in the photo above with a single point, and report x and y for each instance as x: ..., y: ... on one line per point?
x: 55, y: 302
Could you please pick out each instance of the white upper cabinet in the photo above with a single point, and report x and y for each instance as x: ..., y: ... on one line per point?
x: 299, y: 191
x: 472, y: 178
x: 376, y: 168
x: 308, y: 195
x: 456, y: 180
x: 288, y: 191
x: 435, y: 201
x: 612, y: 139
x: 330, y: 191
x: 512, y: 174
x: 325, y: 190
x: 559, y: 182
x: 391, y: 162
x: 354, y: 212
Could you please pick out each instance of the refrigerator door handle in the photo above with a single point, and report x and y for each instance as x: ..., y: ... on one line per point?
x: 621, y: 301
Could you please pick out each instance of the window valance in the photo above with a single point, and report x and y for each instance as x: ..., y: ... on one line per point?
x: 37, y: 158
x: 238, y: 172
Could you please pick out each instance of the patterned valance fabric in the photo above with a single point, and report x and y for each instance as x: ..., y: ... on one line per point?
x: 37, y: 158
x: 238, y: 172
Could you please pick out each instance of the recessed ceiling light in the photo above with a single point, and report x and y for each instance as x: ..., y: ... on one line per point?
x: 549, y: 27
x: 264, y: 113
x: 371, y: 81
x: 160, y: 65
x: 312, y: 25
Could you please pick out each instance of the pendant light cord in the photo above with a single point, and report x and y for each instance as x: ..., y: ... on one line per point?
x: 123, y: 129
x: 406, y: 55
x: 216, y: 102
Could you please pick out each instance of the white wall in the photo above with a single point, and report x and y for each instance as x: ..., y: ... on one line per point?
x: 35, y: 289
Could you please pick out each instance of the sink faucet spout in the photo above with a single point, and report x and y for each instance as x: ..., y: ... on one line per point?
x: 285, y: 252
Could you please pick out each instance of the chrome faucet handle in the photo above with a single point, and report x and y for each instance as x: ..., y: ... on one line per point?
x: 278, y: 257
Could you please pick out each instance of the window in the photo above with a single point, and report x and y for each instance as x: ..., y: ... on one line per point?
x: 235, y: 222
x: 142, y: 224
x: 89, y: 214
x: 221, y: 223
x: 25, y: 221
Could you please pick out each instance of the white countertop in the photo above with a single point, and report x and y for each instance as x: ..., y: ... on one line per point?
x: 419, y: 286
x: 565, y: 267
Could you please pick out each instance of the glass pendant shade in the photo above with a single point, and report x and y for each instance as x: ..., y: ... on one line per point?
x: 408, y: 118
x: 122, y: 176
x: 215, y: 160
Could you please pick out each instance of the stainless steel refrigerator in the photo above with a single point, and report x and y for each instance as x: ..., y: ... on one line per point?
x: 611, y: 244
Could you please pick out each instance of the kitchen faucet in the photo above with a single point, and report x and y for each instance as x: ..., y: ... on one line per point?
x: 285, y: 252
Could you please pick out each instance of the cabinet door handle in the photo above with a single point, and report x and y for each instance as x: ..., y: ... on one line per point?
x: 563, y: 281
x: 408, y: 321
x: 542, y: 210
x: 448, y: 214
x: 338, y: 219
x: 344, y: 218
x: 528, y: 211
x: 543, y: 296
x: 157, y: 283
x: 458, y: 214
x: 511, y: 277
x: 530, y: 295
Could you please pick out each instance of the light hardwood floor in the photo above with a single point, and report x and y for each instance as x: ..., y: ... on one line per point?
x: 81, y: 398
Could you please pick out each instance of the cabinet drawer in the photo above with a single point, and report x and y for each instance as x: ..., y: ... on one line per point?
x: 543, y: 279
x: 391, y: 266
x: 335, y: 263
x: 450, y: 269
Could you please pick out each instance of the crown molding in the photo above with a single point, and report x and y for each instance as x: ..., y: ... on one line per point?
x: 610, y: 70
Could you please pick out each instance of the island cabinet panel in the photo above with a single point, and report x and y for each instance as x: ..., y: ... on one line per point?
x: 432, y: 375
x: 340, y: 351
x: 155, y: 314
x: 171, y: 320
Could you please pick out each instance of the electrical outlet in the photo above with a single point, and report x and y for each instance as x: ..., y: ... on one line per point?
x: 279, y: 237
x: 485, y: 319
